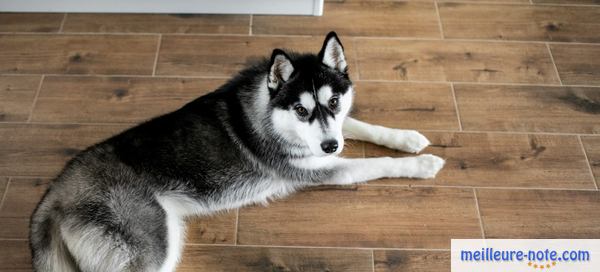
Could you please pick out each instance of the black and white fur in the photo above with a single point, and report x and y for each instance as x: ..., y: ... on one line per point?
x: 275, y: 128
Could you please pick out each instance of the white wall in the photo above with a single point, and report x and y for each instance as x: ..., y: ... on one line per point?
x: 291, y: 7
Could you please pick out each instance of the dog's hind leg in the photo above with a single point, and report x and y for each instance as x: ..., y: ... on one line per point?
x: 405, y: 140
x: 122, y: 228
x: 49, y: 251
x: 94, y: 250
x: 115, y: 245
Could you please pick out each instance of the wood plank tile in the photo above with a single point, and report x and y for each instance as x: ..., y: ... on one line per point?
x: 115, y: 99
x: 353, y: 149
x: 529, y: 108
x: 224, y: 56
x: 570, y: 2
x: 520, y: 22
x: 406, y: 19
x: 30, y: 22
x: 217, y: 229
x: 21, y: 199
x: 489, y: 1
x: 411, y: 260
x: 15, y: 255
x: 592, y: 149
x: 537, y: 214
x: 77, y: 54
x: 42, y: 150
x: 24, y: 194
x: 259, y: 259
x: 577, y: 64
x: 158, y: 23
x: 363, y: 216
x: 501, y: 160
x: 14, y: 228
x: 16, y: 96
x: 380, y: 59
x: 405, y: 105
x: 3, y: 182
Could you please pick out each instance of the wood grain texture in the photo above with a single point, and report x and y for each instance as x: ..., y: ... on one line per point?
x: 30, y: 22
x: 520, y: 22
x: 405, y: 105
x: 216, y: 229
x: 529, y: 108
x: 577, y: 64
x: 540, y: 214
x: 259, y: 259
x: 16, y: 96
x: 363, y: 216
x: 501, y: 160
x: 592, y: 149
x: 14, y: 228
x: 581, y: 2
x: 489, y: 1
x: 15, y: 255
x: 115, y: 99
x: 411, y: 260
x: 225, y: 56
x: 375, y: 18
x: 21, y: 199
x: 77, y: 54
x: 158, y: 23
x: 353, y: 149
x: 42, y: 150
x: 380, y: 59
x: 3, y: 183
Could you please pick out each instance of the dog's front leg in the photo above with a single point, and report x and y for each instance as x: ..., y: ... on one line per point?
x: 405, y: 140
x: 349, y: 171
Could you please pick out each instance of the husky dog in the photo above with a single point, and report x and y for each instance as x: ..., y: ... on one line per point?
x: 276, y: 127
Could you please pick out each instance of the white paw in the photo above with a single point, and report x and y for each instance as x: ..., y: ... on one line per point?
x: 409, y: 141
x: 415, y: 142
x: 428, y: 166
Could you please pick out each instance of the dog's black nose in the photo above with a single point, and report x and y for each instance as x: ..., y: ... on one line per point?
x: 329, y: 146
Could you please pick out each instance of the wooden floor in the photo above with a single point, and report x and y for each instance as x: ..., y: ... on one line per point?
x: 507, y: 90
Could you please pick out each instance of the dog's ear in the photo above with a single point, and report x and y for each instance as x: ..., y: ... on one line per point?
x: 281, y: 69
x: 332, y: 53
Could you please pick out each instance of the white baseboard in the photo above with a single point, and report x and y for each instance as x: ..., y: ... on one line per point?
x: 284, y: 7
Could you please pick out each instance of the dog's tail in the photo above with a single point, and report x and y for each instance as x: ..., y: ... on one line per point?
x: 48, y: 249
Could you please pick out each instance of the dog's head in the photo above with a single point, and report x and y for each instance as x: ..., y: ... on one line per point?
x: 311, y: 96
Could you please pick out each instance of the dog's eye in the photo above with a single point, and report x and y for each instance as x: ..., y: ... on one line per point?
x: 301, y: 111
x: 333, y: 102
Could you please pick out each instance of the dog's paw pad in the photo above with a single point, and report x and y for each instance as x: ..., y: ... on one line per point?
x: 428, y: 166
